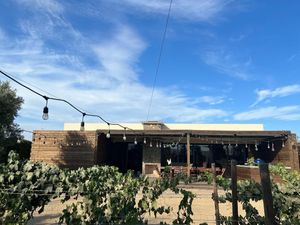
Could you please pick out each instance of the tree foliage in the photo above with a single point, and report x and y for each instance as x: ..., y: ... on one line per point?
x: 10, y: 104
x: 103, y: 194
x: 286, y: 198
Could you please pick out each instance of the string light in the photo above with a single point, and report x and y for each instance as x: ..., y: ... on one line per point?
x: 268, y: 145
x: 157, y: 144
x: 150, y: 145
x: 145, y: 141
x: 273, y: 149
x: 246, y: 146
x: 82, y: 122
x: 135, y: 141
x: 108, y: 133
x: 124, y: 136
x: 46, y: 110
x: 256, y: 148
x: 45, y: 115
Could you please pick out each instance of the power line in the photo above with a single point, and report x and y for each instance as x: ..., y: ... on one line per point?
x: 159, y: 58
x: 45, y: 111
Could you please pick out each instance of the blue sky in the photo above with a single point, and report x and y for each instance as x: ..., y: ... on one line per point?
x: 223, y: 61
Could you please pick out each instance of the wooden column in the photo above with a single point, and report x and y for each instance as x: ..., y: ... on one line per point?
x: 216, y: 197
x: 235, y: 214
x: 267, y: 194
x: 188, y: 154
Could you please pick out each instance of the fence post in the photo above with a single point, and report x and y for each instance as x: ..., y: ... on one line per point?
x: 267, y: 194
x: 235, y: 214
x: 216, y: 197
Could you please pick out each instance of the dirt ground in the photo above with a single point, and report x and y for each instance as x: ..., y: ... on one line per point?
x: 203, y: 208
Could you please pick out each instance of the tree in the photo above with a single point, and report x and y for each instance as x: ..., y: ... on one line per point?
x: 10, y: 132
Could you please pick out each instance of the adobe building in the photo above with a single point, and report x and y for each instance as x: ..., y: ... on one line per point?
x: 150, y: 146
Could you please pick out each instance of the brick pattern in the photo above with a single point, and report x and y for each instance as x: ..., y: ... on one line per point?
x: 288, y: 155
x: 70, y: 149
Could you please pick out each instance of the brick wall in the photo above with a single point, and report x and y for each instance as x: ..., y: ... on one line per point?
x: 70, y: 149
x: 288, y: 155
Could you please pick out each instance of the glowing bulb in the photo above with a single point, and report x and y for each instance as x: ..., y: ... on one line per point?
x: 124, y: 137
x: 156, y: 144
x: 135, y: 141
x: 18, y: 141
x: 145, y: 141
x: 256, y: 148
x: 108, y: 133
x: 246, y: 145
x: 283, y: 145
x: 236, y: 145
x: 150, y: 144
x: 273, y: 149
x: 45, y: 113
x: 268, y: 145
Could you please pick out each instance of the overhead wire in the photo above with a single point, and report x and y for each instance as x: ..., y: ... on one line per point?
x: 159, y: 58
x: 65, y: 101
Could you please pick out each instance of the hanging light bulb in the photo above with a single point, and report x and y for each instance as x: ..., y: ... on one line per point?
x: 246, y: 146
x: 150, y: 145
x: 124, y: 136
x: 256, y: 148
x: 135, y: 141
x: 108, y: 133
x: 160, y: 144
x: 236, y: 144
x: 82, y: 122
x: 45, y: 110
x: 268, y: 145
x: 145, y: 141
x: 273, y: 148
x: 283, y: 144
x: 157, y: 144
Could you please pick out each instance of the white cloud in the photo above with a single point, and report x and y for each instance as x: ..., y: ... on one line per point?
x: 271, y: 112
x: 227, y: 64
x: 204, y: 10
x: 119, y: 55
x: 278, y: 92
x: 110, y: 88
x: 211, y: 100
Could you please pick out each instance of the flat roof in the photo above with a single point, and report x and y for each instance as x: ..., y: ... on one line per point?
x: 168, y: 126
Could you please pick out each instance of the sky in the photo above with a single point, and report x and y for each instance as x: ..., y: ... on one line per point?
x: 223, y: 61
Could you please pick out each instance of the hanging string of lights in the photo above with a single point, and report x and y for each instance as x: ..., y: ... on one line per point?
x: 45, y: 115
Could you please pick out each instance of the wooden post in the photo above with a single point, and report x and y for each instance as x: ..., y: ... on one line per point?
x: 267, y: 194
x: 216, y: 200
x: 235, y: 214
x: 188, y: 154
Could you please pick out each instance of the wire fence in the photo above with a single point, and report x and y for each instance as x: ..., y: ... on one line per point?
x: 203, y: 209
